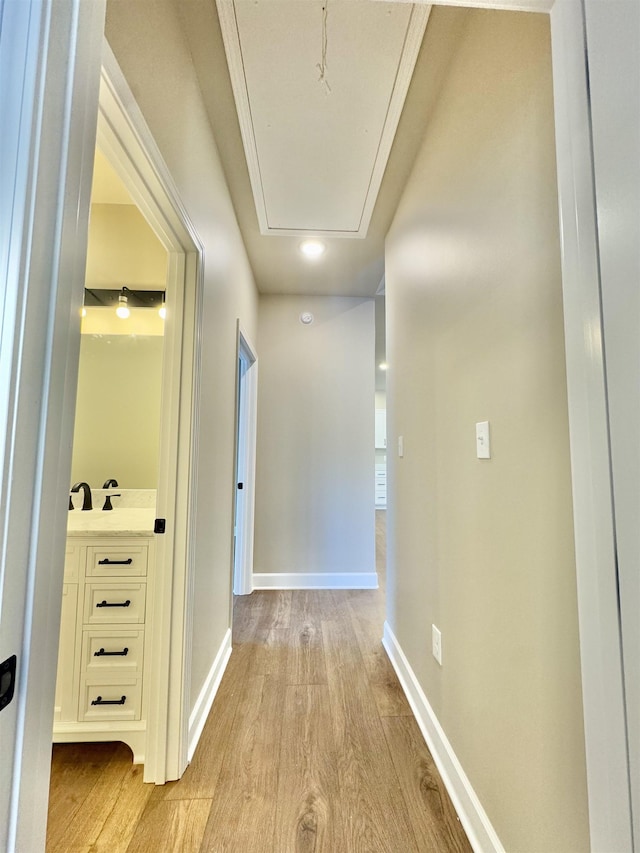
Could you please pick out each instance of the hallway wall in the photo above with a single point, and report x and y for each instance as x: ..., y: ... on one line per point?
x: 148, y: 42
x: 315, y: 454
x: 484, y: 549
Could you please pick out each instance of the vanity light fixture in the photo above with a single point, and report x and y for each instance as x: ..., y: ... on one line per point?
x: 122, y: 310
x: 312, y: 249
x: 123, y: 299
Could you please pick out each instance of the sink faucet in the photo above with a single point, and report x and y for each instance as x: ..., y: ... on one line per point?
x: 111, y: 483
x: 107, y: 499
x: 86, y: 503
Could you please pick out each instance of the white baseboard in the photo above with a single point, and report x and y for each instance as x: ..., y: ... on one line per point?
x: 200, y: 712
x: 316, y: 580
x: 482, y: 836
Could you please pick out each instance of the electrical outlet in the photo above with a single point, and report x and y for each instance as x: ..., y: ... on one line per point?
x: 436, y: 644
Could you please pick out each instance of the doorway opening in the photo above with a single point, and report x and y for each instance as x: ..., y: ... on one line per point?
x: 159, y: 719
x: 106, y: 627
x: 245, y: 465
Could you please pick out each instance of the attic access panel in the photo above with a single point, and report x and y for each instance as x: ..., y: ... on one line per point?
x: 317, y: 145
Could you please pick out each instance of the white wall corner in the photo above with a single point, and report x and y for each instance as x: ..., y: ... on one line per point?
x: 315, y: 580
x: 200, y: 712
x: 482, y: 836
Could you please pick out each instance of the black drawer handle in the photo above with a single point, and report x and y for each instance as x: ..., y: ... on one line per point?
x: 102, y: 654
x: 101, y: 701
x: 108, y: 562
x: 113, y: 604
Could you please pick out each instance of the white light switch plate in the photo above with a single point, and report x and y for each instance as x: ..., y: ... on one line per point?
x: 483, y: 445
x: 436, y: 644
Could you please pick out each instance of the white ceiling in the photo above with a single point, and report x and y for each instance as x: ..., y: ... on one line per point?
x: 319, y: 87
x: 350, y: 266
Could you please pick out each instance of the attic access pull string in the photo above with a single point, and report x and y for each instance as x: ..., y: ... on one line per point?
x: 322, y: 65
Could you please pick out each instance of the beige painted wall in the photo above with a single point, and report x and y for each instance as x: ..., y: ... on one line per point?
x: 123, y: 250
x: 148, y: 42
x: 484, y: 549
x: 315, y: 454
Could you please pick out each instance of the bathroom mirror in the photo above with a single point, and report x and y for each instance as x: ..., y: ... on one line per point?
x: 117, y: 423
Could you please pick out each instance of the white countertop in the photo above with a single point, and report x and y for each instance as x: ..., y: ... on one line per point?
x: 123, y: 521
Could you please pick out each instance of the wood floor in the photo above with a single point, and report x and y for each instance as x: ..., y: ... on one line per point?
x: 310, y: 746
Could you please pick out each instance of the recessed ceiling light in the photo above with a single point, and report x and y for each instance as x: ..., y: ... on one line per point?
x: 312, y: 248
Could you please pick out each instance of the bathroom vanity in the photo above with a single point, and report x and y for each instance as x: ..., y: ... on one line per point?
x: 104, y: 654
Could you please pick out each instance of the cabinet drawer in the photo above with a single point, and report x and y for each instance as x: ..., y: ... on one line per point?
x: 117, y: 561
x: 110, y: 700
x: 112, y: 652
x: 117, y: 603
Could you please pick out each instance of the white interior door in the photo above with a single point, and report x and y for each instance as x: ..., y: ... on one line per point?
x: 49, y: 72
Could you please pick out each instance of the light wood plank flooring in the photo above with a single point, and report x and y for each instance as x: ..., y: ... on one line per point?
x: 310, y: 746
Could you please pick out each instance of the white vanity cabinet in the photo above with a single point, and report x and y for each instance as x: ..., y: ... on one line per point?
x: 103, y: 660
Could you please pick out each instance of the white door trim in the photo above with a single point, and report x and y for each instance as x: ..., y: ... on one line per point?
x: 245, y: 467
x: 125, y: 138
x: 596, y: 563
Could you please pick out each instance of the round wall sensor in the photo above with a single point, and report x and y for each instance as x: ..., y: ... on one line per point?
x: 306, y: 318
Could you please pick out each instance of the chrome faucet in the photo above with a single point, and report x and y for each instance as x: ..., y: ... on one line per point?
x: 86, y: 503
x: 110, y: 483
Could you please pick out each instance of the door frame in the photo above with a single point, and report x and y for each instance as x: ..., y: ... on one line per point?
x: 245, y: 462
x: 126, y: 140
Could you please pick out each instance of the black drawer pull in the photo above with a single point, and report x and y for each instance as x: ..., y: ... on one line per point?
x: 102, y: 654
x: 113, y: 604
x: 108, y: 562
x: 101, y: 701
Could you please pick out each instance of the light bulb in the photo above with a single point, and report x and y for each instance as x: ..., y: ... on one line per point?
x: 122, y: 310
